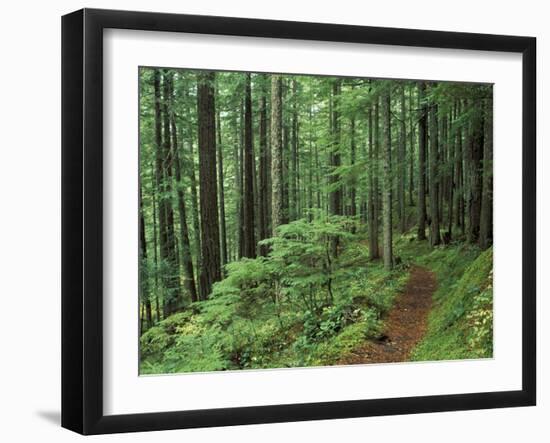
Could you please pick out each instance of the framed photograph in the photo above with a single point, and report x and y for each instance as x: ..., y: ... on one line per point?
x: 269, y: 221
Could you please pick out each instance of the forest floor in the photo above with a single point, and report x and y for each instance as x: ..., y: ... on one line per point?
x: 435, y: 305
x: 405, y: 325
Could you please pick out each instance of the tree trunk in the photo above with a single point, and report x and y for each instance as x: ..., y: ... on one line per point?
x: 411, y: 147
x: 170, y: 276
x: 476, y: 179
x: 144, y: 286
x: 459, y: 190
x: 155, y: 254
x: 352, y: 193
x: 422, y: 139
x: 248, y: 197
x: 336, y: 161
x: 451, y: 177
x: 486, y: 222
x: 263, y: 188
x: 335, y: 183
x: 376, y: 174
x: 210, y: 233
x: 294, y: 195
x: 221, y: 194
x: 277, y: 208
x: 286, y: 155
x: 434, y: 179
x: 387, y: 200
x: 467, y: 161
x: 240, y: 196
x: 401, y: 169
x: 372, y: 212
x: 190, y: 170
x: 187, y: 261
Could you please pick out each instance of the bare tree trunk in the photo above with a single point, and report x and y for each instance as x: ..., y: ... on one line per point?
x: 210, y: 233
x: 184, y: 230
x: 171, y: 279
x: 467, y: 161
x: 434, y: 179
x: 372, y: 211
x: 376, y: 174
x: 191, y: 131
x: 293, y: 176
x: 155, y: 255
x: 263, y: 188
x: 476, y: 180
x: 387, y: 199
x: 336, y: 192
x: 352, y: 195
x: 422, y: 139
x: 248, y: 198
x: 277, y: 211
x: 459, y: 194
x: 451, y: 178
x: 411, y: 146
x: 144, y: 284
x: 486, y: 222
x: 402, y: 171
x: 221, y: 194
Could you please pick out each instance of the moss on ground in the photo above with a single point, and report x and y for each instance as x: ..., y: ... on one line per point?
x: 219, y: 335
x: 460, y: 325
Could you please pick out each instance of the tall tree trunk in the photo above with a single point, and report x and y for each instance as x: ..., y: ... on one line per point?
x: 294, y: 204
x: 286, y: 155
x: 241, y: 183
x: 155, y: 254
x: 467, y: 161
x: 451, y: 176
x: 248, y: 197
x: 387, y: 200
x: 210, y: 233
x: 171, y: 277
x: 263, y: 188
x: 442, y: 164
x: 159, y: 183
x: 311, y: 203
x: 486, y: 222
x: 376, y: 184
x: 434, y: 178
x: 401, y: 170
x: 352, y: 194
x: 459, y: 190
x: 277, y: 211
x: 336, y: 207
x: 422, y: 139
x: 187, y: 261
x: 411, y: 148
x: 221, y: 194
x: 476, y: 179
x: 190, y: 171
x: 372, y: 211
x: 144, y: 284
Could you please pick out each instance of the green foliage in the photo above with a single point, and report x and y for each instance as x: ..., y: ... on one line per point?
x: 461, y: 322
x: 304, y: 304
x: 276, y: 311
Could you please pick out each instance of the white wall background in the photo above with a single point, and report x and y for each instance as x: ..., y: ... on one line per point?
x: 30, y: 221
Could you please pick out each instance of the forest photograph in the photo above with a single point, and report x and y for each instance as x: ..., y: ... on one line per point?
x: 291, y: 221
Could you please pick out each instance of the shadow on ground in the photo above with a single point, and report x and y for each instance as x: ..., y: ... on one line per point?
x: 53, y: 417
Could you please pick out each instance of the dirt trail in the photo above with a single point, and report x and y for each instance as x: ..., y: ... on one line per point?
x: 405, y: 324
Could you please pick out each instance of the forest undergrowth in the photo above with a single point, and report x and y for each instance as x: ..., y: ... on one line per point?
x: 298, y: 308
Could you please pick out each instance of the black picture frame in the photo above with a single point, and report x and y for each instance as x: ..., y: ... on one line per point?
x: 82, y: 219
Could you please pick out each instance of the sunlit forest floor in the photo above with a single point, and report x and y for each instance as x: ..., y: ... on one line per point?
x: 436, y: 304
